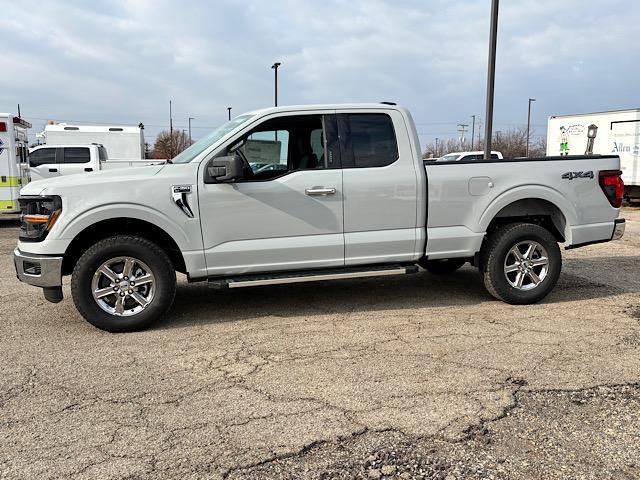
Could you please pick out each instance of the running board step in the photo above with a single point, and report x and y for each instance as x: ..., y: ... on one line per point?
x: 310, y: 276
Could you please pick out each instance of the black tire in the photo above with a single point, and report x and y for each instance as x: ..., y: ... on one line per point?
x: 494, y: 254
x: 143, y: 250
x: 442, y: 267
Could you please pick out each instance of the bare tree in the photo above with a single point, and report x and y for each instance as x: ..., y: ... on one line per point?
x: 511, y: 143
x: 443, y: 147
x: 168, y: 146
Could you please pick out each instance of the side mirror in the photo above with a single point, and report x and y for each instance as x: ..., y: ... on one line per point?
x: 224, y: 169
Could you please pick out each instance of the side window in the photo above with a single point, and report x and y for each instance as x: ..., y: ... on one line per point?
x: 267, y: 151
x: 76, y: 155
x: 42, y: 156
x: 373, y: 140
x: 284, y: 144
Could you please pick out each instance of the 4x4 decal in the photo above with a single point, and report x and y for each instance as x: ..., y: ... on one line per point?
x: 572, y: 175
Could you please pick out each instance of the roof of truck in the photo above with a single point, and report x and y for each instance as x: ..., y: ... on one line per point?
x: 328, y: 106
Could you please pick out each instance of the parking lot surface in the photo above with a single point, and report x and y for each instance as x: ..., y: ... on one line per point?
x: 408, y: 377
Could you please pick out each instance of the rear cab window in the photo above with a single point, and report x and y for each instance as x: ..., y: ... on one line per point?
x: 76, y: 155
x: 370, y: 140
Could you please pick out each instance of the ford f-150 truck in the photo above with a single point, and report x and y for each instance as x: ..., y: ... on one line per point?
x: 348, y: 196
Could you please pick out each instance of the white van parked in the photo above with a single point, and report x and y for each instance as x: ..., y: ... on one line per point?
x: 14, y: 170
x: 50, y: 161
x: 616, y: 133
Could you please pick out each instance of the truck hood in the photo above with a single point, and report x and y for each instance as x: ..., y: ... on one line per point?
x: 51, y: 186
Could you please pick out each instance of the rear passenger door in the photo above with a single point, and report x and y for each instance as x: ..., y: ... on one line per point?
x: 76, y: 160
x: 380, y: 188
x: 43, y: 164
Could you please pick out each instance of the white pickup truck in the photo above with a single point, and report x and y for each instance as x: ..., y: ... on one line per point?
x: 351, y: 197
x: 50, y: 161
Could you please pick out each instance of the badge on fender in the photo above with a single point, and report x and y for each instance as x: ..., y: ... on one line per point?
x: 179, y: 194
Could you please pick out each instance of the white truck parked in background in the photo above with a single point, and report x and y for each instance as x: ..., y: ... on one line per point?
x: 50, y: 161
x: 120, y: 142
x: 354, y: 199
x: 14, y: 170
x: 468, y: 156
x: 616, y: 133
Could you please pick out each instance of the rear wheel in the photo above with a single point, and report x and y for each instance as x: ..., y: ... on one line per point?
x: 442, y: 267
x: 123, y: 283
x: 520, y: 263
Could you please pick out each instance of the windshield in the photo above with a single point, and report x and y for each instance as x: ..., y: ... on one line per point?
x: 201, y: 145
x: 452, y: 157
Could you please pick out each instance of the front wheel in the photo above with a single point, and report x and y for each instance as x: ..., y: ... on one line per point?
x: 520, y: 263
x: 123, y: 283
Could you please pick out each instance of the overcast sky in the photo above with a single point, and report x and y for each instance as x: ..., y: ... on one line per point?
x: 121, y: 61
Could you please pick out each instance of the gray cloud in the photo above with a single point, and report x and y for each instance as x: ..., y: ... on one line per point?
x: 122, y: 61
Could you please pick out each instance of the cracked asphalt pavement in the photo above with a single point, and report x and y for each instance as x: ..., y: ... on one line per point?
x: 405, y: 377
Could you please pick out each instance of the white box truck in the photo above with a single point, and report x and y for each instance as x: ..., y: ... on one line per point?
x: 617, y: 132
x: 14, y: 169
x: 120, y: 142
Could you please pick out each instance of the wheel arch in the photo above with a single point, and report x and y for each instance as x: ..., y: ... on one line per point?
x: 122, y: 225
x: 540, y: 205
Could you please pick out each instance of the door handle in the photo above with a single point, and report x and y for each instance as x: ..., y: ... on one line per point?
x: 53, y: 170
x: 320, y: 191
x: 88, y: 169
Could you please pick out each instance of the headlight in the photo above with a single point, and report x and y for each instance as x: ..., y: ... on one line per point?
x: 39, y: 215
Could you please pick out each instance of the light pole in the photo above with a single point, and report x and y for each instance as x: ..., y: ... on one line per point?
x: 275, y: 69
x: 473, y: 131
x: 531, y: 100
x: 170, y: 132
x: 229, y: 112
x: 491, y: 78
x: 436, y: 155
x: 190, y: 118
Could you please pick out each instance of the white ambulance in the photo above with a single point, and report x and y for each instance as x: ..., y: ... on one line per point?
x: 617, y: 132
x: 14, y: 166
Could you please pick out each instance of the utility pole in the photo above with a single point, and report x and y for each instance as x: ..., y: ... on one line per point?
x: 436, y: 154
x: 462, y: 129
x: 170, y: 132
x: 473, y: 131
x: 190, y: 118
x: 491, y: 78
x: 275, y: 69
x: 229, y: 112
x: 529, y: 125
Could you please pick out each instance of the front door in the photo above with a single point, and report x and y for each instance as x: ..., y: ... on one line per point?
x: 43, y: 163
x: 287, y: 212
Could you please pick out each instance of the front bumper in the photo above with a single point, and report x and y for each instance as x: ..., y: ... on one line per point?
x: 38, y: 270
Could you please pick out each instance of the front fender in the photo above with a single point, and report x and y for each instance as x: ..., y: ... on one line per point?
x: 94, y: 215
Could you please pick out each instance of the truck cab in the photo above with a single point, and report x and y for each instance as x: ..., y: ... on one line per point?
x: 50, y: 161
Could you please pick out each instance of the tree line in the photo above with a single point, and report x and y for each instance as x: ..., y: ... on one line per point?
x: 511, y: 143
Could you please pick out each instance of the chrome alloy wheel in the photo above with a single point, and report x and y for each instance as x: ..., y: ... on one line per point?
x: 123, y: 286
x: 526, y: 265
